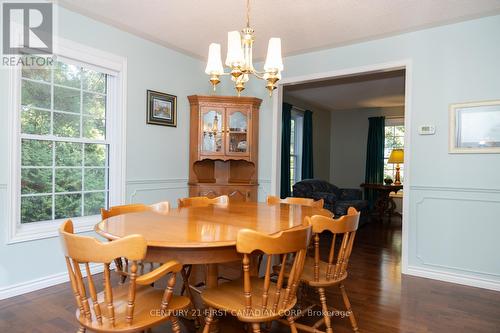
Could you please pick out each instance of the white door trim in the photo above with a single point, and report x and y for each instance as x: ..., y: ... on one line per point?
x: 374, y: 68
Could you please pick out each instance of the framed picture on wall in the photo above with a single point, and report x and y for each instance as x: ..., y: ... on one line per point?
x: 161, y: 109
x: 475, y: 127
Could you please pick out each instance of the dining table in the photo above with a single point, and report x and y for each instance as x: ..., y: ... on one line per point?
x: 204, y: 235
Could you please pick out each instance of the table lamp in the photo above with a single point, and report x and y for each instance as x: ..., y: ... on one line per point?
x: 397, y: 156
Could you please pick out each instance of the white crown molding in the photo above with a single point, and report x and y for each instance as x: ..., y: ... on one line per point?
x: 129, y: 29
x: 126, y: 28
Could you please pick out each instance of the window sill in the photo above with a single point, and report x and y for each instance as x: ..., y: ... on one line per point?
x: 49, y: 229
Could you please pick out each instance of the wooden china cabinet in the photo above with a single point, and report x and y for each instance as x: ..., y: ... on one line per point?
x: 224, y: 147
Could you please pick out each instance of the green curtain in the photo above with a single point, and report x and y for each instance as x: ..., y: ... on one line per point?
x: 307, y: 147
x: 374, y: 155
x: 286, y: 124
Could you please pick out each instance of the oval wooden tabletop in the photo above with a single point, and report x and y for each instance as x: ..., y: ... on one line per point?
x: 209, y: 226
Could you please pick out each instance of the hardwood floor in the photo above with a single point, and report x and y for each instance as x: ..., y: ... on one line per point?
x: 382, y: 299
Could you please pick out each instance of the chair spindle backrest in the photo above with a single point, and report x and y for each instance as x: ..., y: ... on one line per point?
x: 202, y: 201
x: 82, y: 250
x: 122, y: 265
x: 296, y: 201
x: 290, y: 247
x: 338, y: 257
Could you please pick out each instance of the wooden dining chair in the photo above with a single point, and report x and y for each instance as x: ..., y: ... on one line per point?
x: 202, y: 201
x: 188, y: 269
x: 259, y: 300
x: 322, y: 274
x: 295, y: 201
x: 121, y: 264
x: 126, y: 308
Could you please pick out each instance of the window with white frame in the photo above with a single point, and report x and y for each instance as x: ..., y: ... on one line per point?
x: 394, y: 138
x: 68, y: 143
x: 296, y: 130
x: 64, y: 159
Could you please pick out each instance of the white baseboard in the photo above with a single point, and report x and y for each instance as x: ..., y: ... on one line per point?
x: 462, y: 279
x: 41, y: 283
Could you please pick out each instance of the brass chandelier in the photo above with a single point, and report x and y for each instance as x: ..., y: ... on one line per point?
x: 239, y: 59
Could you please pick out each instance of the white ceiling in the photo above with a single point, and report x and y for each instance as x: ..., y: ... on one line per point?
x: 304, y: 25
x: 366, y: 91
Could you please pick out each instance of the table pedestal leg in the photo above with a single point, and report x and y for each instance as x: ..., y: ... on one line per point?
x: 381, y: 204
x: 392, y: 208
x: 212, y: 282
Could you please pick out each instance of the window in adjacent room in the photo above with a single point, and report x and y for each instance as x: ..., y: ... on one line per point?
x: 394, y: 138
x: 297, y: 125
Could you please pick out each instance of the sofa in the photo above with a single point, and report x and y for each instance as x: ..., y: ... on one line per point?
x: 337, y: 200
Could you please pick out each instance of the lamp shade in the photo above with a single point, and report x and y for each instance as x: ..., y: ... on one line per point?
x: 214, y: 63
x: 273, y: 59
x: 234, y: 50
x: 397, y: 156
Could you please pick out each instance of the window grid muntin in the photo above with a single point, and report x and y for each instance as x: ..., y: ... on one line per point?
x: 293, y: 153
x: 81, y: 139
x: 296, y: 136
x: 389, y: 168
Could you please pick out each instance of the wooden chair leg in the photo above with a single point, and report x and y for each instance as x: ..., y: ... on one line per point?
x: 256, y: 327
x: 185, y: 286
x: 125, y: 269
x: 291, y: 322
x: 208, y: 321
x: 176, y: 327
x: 186, y: 273
x: 347, y: 304
x: 324, y: 308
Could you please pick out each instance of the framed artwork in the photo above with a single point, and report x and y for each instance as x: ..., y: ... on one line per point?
x: 475, y: 127
x: 161, y: 109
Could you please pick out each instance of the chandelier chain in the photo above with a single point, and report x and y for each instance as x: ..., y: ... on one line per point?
x: 248, y: 13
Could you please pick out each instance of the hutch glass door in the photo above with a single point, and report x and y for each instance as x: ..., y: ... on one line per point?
x: 238, y: 129
x: 212, y: 130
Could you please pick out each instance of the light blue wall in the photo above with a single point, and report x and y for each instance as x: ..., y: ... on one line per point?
x: 455, y: 199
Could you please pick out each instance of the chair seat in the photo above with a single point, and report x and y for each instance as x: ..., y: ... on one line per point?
x: 229, y: 298
x: 308, y: 274
x: 147, y: 310
x: 142, y: 267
